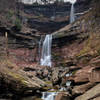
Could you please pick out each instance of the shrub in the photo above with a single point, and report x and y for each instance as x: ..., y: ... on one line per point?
x: 18, y: 24
x: 9, y: 15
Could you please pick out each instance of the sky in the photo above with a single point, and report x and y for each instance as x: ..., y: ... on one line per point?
x: 71, y: 1
x: 39, y: 1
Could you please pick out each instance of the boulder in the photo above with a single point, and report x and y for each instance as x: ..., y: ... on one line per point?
x: 74, y: 68
x: 90, y: 94
x: 55, y: 75
x: 63, y: 96
x: 82, y: 88
x: 81, y: 78
x: 82, y: 75
x: 97, y: 98
x: 95, y: 75
x: 18, y: 82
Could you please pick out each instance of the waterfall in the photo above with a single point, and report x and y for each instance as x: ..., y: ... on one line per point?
x: 49, y: 95
x: 46, y: 51
x: 68, y: 83
x: 72, y: 16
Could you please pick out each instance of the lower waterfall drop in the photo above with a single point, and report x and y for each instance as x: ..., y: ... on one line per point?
x: 46, y: 51
x: 49, y: 95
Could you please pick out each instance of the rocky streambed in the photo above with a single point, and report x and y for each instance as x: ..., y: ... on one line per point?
x: 34, y: 82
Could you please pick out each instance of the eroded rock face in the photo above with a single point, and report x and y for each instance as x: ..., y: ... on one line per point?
x: 58, y: 74
x: 92, y: 93
x: 82, y: 88
x: 95, y: 75
x: 81, y: 76
x: 97, y: 98
x: 55, y: 75
x: 63, y: 96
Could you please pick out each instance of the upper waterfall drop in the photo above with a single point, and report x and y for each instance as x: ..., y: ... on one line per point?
x: 72, y: 15
x: 46, y: 51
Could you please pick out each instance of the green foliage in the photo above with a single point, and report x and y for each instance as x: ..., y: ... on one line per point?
x: 9, y: 15
x: 18, y: 24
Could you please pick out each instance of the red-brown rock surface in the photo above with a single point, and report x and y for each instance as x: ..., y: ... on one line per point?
x: 62, y: 96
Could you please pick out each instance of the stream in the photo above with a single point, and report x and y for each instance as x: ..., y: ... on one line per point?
x: 49, y: 95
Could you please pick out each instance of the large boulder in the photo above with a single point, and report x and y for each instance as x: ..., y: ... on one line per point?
x: 95, y: 75
x: 18, y: 81
x: 63, y: 96
x: 55, y: 75
x: 82, y: 75
x: 97, y: 98
x: 90, y: 94
x: 82, y: 88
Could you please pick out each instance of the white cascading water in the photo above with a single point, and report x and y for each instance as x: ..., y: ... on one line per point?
x: 49, y: 95
x: 72, y: 14
x: 46, y: 51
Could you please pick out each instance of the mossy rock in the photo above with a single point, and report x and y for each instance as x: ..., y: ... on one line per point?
x: 31, y: 98
x: 38, y: 99
x: 84, y: 59
x: 74, y: 72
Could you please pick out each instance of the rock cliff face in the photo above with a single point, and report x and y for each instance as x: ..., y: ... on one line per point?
x: 53, y: 17
x: 36, y: 20
x: 81, y: 54
x: 75, y: 50
x: 44, y: 18
x: 80, y: 34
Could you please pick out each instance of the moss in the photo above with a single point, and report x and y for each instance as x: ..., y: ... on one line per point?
x: 10, y: 64
x: 37, y: 99
x: 31, y: 98
x: 74, y: 72
x: 48, y: 82
x: 91, y: 45
x: 18, y: 24
x: 56, y: 56
x: 84, y: 59
x: 98, y: 52
x: 17, y: 76
x: 86, y: 48
x: 10, y: 14
x: 63, y: 64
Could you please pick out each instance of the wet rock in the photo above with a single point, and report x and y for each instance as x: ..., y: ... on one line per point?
x: 95, y: 75
x: 82, y: 78
x: 82, y: 75
x: 90, y: 94
x: 55, y: 75
x: 28, y: 69
x: 63, y: 96
x: 44, y: 73
x: 28, y: 98
x: 70, y: 63
x: 31, y: 98
x: 97, y: 98
x: 82, y: 88
x: 18, y: 82
x: 62, y: 74
x: 74, y: 68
